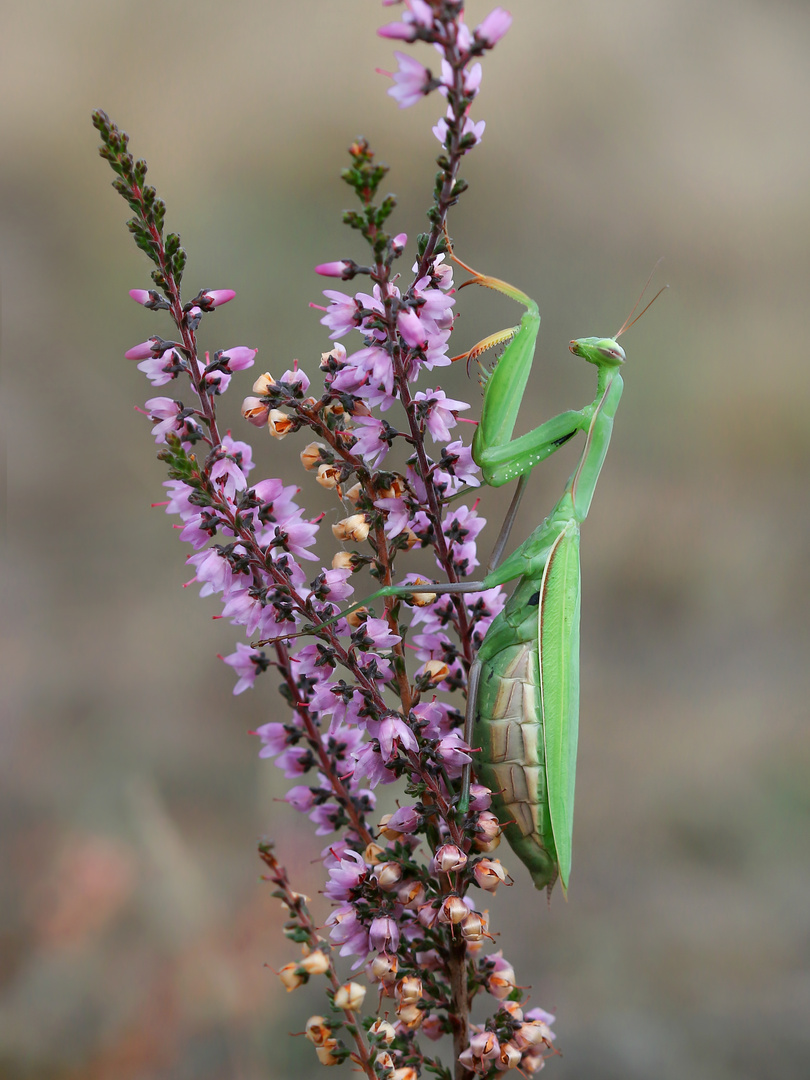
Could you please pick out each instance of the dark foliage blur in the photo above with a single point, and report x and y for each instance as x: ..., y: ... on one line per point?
x: 133, y: 929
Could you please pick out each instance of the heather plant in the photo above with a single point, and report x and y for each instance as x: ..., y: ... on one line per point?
x: 408, y: 889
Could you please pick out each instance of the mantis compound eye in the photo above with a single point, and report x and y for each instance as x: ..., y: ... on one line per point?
x: 613, y: 353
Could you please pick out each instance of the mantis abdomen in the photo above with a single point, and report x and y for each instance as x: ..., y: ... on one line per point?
x: 509, y: 732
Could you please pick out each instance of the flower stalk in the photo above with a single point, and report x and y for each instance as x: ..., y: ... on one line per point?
x: 359, y: 713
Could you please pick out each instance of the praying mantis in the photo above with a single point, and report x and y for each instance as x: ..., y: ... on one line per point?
x: 523, y: 688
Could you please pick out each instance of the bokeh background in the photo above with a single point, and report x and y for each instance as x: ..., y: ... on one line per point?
x: 134, y: 930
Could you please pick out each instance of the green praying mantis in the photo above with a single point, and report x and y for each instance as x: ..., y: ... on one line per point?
x: 523, y: 688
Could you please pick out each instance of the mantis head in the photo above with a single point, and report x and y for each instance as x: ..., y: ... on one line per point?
x: 598, y: 351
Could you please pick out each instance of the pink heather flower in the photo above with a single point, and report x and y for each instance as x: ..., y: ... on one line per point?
x: 165, y: 411
x: 217, y: 297
x: 140, y: 296
x: 543, y: 1016
x: 399, y: 243
x: 295, y: 377
x: 333, y: 269
x: 239, y: 358
x: 494, y: 26
x: 410, y: 327
x: 463, y: 467
x: 155, y: 368
x: 213, y: 573
x: 380, y: 633
x: 440, y: 412
x: 276, y: 499
x: 296, y: 537
x: 384, y: 934
x: 453, y: 751
x: 341, y: 315
x: 337, y: 581
x: 179, y: 499
x: 370, y: 443
x: 295, y: 761
x: 404, y: 820
x: 412, y: 81
x: 144, y: 350
x: 398, y: 30
x: 348, y: 932
x: 301, y: 797
x: 245, y: 663
x: 420, y: 12
x: 274, y: 737
x: 480, y: 797
x: 397, y: 515
x: 346, y: 876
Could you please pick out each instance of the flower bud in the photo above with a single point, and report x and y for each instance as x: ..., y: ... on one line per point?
x: 317, y: 1030
x: 350, y: 996
x: 396, y: 490
x: 333, y: 269
x: 513, y: 1008
x: 410, y: 1015
x: 453, y: 910
x: 532, y: 1063
x: 388, y: 876
x: 279, y: 424
x: 433, y: 1027
x: 255, y: 411
x: 292, y: 976
x: 489, y: 874
x: 407, y: 1072
x: 447, y: 858
x: 311, y: 455
x: 317, y: 963
x: 325, y: 1052
x: 480, y: 797
x: 410, y: 541
x: 355, y: 528
x: 328, y: 476
x: 409, y: 990
x: 383, y: 1029
x: 263, y: 383
x: 485, y: 1046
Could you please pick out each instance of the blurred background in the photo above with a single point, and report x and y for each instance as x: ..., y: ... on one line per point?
x: 133, y: 928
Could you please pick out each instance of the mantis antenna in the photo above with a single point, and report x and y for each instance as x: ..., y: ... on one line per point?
x: 630, y: 321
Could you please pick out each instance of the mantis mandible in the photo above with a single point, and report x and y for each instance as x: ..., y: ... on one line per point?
x: 523, y: 689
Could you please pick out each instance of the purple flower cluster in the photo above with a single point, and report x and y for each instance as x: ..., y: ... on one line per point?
x: 356, y: 718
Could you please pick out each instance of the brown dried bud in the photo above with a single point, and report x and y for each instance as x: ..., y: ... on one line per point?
x: 396, y: 490
x: 263, y: 383
x: 354, y: 528
x: 422, y: 599
x: 343, y: 560
x: 279, y: 424
x: 502, y: 983
x: 354, y: 493
x: 373, y: 854
x: 409, y: 990
x: 407, y: 1072
x: 311, y: 455
x: 449, y: 857
x: 317, y: 963
x: 533, y: 1033
x: 255, y: 411
x: 292, y: 976
x: 410, y: 1015
x: 388, y: 876
x: 384, y: 1063
x: 389, y: 834
x: 317, y: 1030
x: 384, y: 1029
x: 350, y: 996
x: 473, y: 926
x: 411, y: 539
x: 489, y: 874
x: 509, y: 1056
x: 435, y: 671
x: 428, y: 915
x: 328, y: 476
x: 360, y: 408
x: 488, y: 831
x: 384, y: 967
x: 453, y: 910
x: 357, y: 618
x: 325, y: 1054
x: 411, y: 895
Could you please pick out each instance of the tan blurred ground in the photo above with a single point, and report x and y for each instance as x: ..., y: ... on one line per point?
x: 133, y: 927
